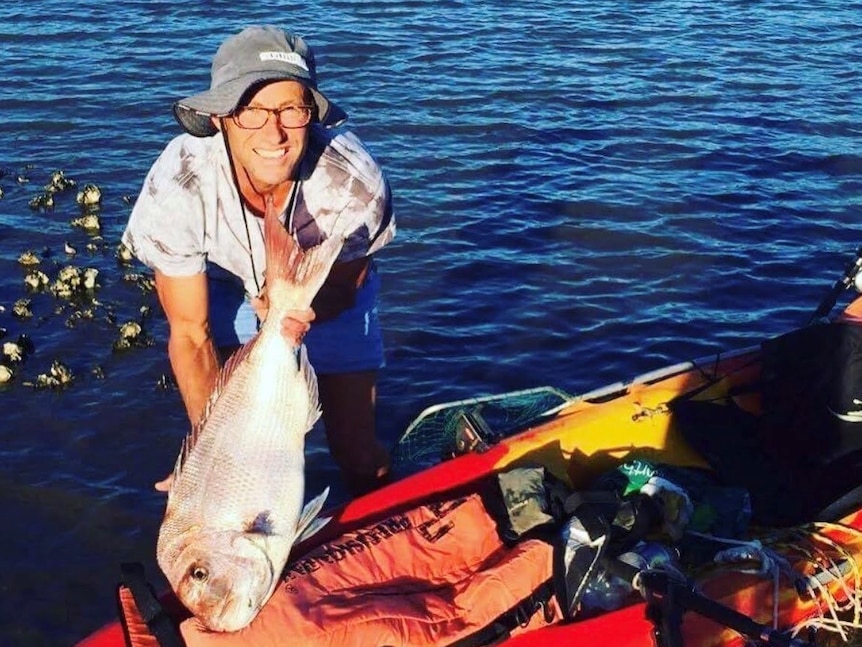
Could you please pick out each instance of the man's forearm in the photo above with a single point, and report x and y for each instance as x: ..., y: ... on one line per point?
x: 195, y: 368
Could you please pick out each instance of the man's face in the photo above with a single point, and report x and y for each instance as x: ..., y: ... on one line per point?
x: 269, y: 156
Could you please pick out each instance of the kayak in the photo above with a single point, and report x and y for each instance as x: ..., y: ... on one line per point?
x: 757, y: 420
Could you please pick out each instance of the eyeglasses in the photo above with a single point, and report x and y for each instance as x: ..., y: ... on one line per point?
x: 253, y: 118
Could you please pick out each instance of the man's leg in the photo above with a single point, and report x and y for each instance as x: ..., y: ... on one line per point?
x: 348, y: 403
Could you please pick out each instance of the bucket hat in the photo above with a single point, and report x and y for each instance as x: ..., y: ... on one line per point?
x: 256, y: 54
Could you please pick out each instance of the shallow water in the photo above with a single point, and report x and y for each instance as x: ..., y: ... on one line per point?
x: 583, y: 193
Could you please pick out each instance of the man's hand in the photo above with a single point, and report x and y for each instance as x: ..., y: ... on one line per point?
x: 260, y: 304
x: 165, y: 484
x: 294, y: 324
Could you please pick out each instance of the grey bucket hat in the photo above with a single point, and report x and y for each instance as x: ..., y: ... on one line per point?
x: 254, y: 55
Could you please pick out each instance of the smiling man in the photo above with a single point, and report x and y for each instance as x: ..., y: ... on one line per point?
x: 265, y: 132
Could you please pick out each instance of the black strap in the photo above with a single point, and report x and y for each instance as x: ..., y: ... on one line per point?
x: 152, y: 612
x: 669, y: 596
x: 518, y: 616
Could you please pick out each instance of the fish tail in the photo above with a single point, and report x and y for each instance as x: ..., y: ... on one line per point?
x: 294, y: 275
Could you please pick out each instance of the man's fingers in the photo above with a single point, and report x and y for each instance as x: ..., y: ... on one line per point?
x: 260, y: 306
x: 165, y: 484
x: 295, y: 324
x: 303, y: 316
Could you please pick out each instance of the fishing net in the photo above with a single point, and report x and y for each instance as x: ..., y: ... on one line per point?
x: 449, y: 429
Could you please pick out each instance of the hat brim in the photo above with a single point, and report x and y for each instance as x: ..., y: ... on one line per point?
x: 195, y: 113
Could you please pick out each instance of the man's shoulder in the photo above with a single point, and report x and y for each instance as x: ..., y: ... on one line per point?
x: 346, y: 144
x: 347, y: 186
x: 187, y: 159
x: 341, y: 156
x: 190, y: 146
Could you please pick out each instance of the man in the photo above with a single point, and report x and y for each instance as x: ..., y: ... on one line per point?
x: 261, y: 133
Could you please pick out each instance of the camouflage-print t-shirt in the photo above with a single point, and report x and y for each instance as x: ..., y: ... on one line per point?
x: 189, y: 213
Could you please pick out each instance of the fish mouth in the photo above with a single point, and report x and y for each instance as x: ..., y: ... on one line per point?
x: 219, y: 615
x: 235, y: 584
x: 233, y: 614
x: 241, y: 605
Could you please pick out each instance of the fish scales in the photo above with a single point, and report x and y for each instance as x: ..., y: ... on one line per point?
x: 246, y: 453
x: 235, y: 506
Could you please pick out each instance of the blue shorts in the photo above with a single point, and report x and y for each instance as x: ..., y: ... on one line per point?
x: 350, y: 342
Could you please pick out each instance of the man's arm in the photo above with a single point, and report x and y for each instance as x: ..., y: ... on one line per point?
x: 185, y: 301
x: 339, y: 291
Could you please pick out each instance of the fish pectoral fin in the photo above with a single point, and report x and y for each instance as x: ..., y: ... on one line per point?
x: 309, y: 522
x: 312, y: 528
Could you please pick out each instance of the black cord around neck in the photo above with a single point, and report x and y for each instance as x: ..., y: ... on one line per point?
x: 241, y: 205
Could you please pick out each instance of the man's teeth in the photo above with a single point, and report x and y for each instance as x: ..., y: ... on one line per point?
x: 271, y: 154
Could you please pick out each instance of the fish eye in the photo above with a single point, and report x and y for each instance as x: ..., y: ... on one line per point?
x: 199, y: 573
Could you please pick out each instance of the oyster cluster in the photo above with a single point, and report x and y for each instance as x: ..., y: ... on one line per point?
x: 70, y: 284
x: 131, y: 334
x: 58, y: 184
x: 59, y: 376
x: 72, y: 281
x: 14, y: 353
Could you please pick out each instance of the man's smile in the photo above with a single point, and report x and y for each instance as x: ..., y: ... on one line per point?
x: 271, y: 153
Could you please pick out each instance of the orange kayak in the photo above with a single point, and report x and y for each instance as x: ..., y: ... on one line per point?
x: 453, y: 448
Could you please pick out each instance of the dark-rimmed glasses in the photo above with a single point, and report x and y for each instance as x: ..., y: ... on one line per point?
x: 254, y: 118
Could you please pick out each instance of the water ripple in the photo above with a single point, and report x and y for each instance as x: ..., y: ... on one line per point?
x: 584, y: 191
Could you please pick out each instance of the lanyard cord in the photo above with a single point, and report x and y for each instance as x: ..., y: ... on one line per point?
x: 291, y: 205
x: 241, y: 204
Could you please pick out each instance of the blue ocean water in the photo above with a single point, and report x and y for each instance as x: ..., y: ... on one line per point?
x: 584, y: 192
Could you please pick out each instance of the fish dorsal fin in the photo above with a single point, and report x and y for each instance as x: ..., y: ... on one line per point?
x: 224, y: 374
x: 309, y: 523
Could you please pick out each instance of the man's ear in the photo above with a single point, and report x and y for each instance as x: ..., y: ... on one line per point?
x: 216, y: 122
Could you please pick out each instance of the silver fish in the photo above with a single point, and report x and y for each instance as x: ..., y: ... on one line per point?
x: 235, y: 504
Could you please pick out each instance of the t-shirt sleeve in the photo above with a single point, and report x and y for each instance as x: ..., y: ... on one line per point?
x: 373, y: 223
x: 366, y: 217
x: 166, y: 227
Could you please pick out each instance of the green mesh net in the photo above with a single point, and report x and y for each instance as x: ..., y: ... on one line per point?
x: 453, y: 428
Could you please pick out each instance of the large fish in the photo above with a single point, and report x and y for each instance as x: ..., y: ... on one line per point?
x: 235, y: 504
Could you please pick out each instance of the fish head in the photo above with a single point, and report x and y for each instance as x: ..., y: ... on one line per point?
x: 223, y: 579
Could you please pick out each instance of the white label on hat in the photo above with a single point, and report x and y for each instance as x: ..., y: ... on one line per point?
x: 286, y: 57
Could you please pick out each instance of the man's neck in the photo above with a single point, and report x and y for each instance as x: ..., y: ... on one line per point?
x: 256, y: 198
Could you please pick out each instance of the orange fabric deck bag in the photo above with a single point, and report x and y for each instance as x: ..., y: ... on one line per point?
x: 433, y: 575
